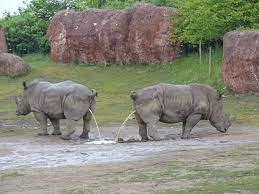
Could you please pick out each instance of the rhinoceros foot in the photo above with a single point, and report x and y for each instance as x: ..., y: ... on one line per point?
x: 84, y: 136
x: 43, y: 134
x: 56, y: 133
x: 186, y: 137
x: 65, y: 137
x: 144, y: 139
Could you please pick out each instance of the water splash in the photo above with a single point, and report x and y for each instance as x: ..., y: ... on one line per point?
x: 100, y: 142
x: 122, y: 125
x: 100, y: 137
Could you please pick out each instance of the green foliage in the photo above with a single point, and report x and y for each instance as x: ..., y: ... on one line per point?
x: 209, y: 20
x: 26, y: 31
x: 117, y: 4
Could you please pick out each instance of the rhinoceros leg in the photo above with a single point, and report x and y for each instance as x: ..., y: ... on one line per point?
x: 55, y: 123
x: 142, y: 128
x: 70, y: 129
x: 152, y: 131
x: 86, y: 127
x: 190, y: 122
x: 42, y: 119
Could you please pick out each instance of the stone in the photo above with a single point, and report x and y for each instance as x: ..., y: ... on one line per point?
x: 12, y: 64
x: 240, y: 64
x: 138, y: 35
x: 3, y: 47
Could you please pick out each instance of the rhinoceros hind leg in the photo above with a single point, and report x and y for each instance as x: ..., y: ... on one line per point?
x: 55, y: 123
x: 86, y: 128
x: 70, y: 130
x: 190, y: 122
x: 42, y: 119
x: 75, y: 108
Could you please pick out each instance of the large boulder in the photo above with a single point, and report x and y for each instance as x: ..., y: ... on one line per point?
x: 12, y: 64
x: 240, y: 65
x: 3, y: 47
x: 136, y: 35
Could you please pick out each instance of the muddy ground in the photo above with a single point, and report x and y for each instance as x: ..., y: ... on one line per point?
x: 35, y: 164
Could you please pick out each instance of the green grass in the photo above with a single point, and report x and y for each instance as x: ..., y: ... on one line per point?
x: 10, y: 174
x: 246, y: 181
x: 79, y: 191
x: 212, y: 175
x: 218, y: 172
x: 114, y: 83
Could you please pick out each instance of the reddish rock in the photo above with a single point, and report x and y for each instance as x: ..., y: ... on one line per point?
x: 12, y: 64
x: 240, y: 65
x: 136, y: 35
x: 3, y: 47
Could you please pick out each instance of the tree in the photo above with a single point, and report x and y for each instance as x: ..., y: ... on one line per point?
x: 26, y: 31
x: 209, y: 20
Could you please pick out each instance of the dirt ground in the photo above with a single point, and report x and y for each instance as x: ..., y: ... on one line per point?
x: 33, y: 164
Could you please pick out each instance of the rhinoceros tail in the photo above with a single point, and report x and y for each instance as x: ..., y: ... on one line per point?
x: 133, y: 95
x: 94, y: 92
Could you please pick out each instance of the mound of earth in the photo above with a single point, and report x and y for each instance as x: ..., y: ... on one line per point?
x: 3, y: 47
x: 12, y: 64
x: 240, y: 65
x: 136, y: 35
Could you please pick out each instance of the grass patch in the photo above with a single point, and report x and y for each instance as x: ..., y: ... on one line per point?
x: 79, y: 191
x: 9, y: 132
x: 246, y: 181
x: 11, y: 174
x: 211, y: 175
x: 114, y: 83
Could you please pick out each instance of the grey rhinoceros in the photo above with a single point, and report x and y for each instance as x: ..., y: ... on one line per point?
x: 64, y: 100
x: 170, y: 103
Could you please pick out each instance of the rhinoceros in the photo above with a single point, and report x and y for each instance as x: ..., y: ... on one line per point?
x: 55, y: 101
x: 170, y: 103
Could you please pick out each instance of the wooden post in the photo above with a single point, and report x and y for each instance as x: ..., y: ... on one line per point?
x: 200, y: 51
x: 210, y: 61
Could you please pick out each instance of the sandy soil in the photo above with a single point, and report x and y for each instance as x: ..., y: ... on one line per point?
x: 51, y: 165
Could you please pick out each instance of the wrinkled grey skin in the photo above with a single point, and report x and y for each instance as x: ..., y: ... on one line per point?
x: 170, y: 103
x: 64, y: 100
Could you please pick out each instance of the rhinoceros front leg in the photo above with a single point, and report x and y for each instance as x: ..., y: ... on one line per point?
x: 42, y: 119
x: 55, y: 123
x: 86, y: 128
x: 142, y: 128
x: 190, y: 122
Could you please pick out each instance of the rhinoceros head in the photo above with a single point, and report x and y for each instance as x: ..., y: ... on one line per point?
x: 22, y: 104
x: 221, y: 122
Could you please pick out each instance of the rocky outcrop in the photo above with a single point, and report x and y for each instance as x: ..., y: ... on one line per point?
x: 12, y: 64
x: 136, y: 35
x: 240, y: 65
x: 3, y: 47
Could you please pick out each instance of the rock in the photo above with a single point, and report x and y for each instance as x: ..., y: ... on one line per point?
x: 240, y: 65
x: 136, y: 35
x: 12, y: 64
x: 3, y: 47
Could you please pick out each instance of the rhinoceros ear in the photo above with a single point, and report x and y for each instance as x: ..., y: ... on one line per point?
x: 220, y: 95
x: 24, y: 85
x: 133, y: 95
x: 94, y: 92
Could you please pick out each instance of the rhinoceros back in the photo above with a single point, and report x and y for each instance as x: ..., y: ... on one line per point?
x: 176, y: 102
x: 66, y: 98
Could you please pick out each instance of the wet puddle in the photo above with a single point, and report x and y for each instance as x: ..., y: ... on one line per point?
x: 44, y: 152
x: 30, y: 154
